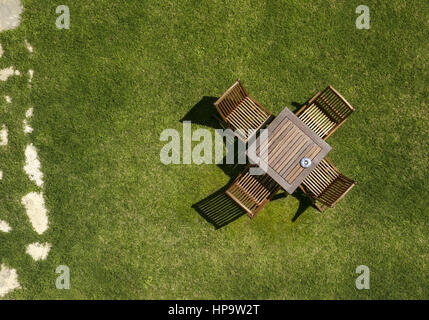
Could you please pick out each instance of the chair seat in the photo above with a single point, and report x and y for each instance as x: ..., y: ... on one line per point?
x: 247, y: 118
x: 252, y: 192
x: 326, y: 185
x: 325, y: 112
x: 241, y: 113
x: 320, y: 178
x: 317, y: 120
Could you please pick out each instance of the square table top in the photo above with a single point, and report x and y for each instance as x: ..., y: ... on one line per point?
x: 280, y: 152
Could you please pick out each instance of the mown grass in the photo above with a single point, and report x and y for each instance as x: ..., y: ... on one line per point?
x: 123, y: 222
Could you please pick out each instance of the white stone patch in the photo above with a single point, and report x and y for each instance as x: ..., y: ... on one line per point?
x: 27, y: 127
x: 4, y: 227
x: 8, y: 99
x: 29, y: 113
x: 3, y: 136
x: 10, y: 14
x: 34, y: 204
x: 8, y: 280
x: 1, y: 50
x: 8, y: 72
x: 31, y: 74
x: 38, y: 251
x: 1, y: 174
x: 32, y: 165
x: 28, y: 46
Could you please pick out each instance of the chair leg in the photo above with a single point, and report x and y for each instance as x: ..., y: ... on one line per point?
x: 320, y: 208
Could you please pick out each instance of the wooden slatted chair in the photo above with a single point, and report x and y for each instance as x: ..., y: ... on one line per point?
x: 252, y: 192
x: 325, y: 112
x: 325, y: 184
x: 241, y: 113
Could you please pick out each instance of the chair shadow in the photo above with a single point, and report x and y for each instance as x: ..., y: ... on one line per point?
x: 298, y: 105
x: 219, y: 209
x: 203, y: 113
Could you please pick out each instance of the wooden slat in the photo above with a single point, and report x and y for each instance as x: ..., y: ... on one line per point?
x: 296, y: 158
x: 246, y: 117
x: 273, y: 139
x: 290, y: 155
x: 252, y: 192
x: 289, y: 139
x: 293, y: 174
x: 283, y: 148
x: 243, y: 114
x: 326, y: 184
x: 326, y: 112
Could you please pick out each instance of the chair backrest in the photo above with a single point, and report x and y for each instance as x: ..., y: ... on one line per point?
x: 334, y: 104
x: 325, y: 112
x: 252, y: 192
x: 227, y: 103
x: 326, y: 184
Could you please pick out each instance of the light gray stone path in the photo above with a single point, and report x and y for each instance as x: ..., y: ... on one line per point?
x: 10, y: 14
x: 33, y: 202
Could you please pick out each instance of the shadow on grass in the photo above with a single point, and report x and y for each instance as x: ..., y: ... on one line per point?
x: 297, y: 105
x: 304, y: 203
x: 203, y: 113
x: 219, y: 209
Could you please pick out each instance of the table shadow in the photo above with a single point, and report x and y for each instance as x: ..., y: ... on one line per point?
x: 304, y: 203
x: 297, y: 106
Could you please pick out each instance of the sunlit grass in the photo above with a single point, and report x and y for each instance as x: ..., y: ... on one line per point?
x: 123, y: 222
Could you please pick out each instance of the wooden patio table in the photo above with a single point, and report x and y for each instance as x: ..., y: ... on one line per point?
x: 280, y: 152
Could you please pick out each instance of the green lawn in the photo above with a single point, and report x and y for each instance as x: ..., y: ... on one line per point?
x: 124, y: 223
